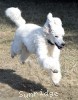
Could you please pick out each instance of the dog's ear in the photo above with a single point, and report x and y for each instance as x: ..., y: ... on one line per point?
x: 50, y: 17
x: 48, y: 24
x: 47, y: 28
x: 57, y: 21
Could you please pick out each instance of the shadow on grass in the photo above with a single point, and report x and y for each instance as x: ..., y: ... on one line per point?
x: 8, y: 76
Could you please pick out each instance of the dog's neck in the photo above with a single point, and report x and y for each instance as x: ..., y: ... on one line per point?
x: 53, y: 51
x: 56, y: 52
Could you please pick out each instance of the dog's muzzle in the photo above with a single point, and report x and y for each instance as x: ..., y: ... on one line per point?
x: 61, y: 46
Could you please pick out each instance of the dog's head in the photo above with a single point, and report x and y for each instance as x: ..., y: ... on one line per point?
x: 54, y: 31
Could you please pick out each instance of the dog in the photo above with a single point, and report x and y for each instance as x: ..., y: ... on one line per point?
x: 31, y: 38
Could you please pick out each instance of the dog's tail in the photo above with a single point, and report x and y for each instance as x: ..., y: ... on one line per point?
x: 15, y: 15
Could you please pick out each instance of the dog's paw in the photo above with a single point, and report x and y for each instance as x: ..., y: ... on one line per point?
x: 57, y: 84
x: 55, y: 71
x: 56, y: 78
x: 23, y: 62
x: 12, y: 56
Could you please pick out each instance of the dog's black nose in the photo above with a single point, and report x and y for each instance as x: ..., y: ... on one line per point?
x: 63, y: 44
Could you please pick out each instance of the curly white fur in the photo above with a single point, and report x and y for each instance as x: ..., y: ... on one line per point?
x: 31, y: 38
x: 15, y: 15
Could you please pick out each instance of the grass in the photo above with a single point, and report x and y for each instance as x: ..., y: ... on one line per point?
x: 28, y: 78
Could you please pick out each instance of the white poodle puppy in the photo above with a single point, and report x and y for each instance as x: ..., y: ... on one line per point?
x: 32, y: 38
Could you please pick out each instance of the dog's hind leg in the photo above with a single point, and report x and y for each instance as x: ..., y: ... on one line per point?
x: 24, y: 54
x: 13, y: 53
x: 15, y: 48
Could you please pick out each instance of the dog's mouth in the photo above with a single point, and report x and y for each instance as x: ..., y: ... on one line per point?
x: 59, y: 47
x: 49, y: 42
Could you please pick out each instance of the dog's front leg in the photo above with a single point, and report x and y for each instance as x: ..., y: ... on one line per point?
x: 56, y: 77
x: 42, y: 53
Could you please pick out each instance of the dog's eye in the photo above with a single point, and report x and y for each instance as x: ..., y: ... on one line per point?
x: 56, y: 36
